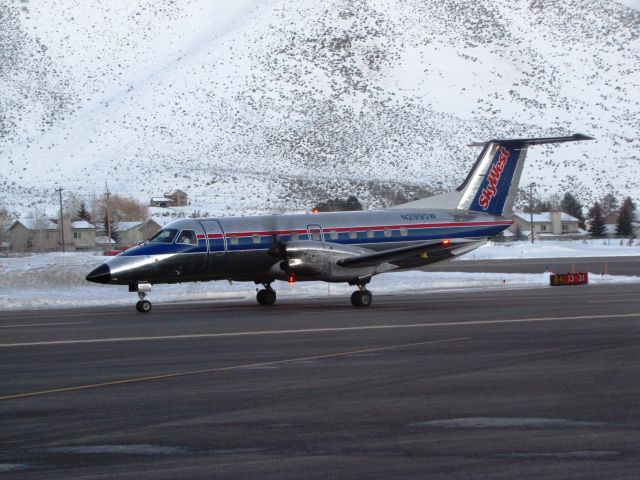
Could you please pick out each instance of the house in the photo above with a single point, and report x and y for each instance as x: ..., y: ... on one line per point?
x: 180, y: 198
x: 34, y: 235
x: 175, y: 199
x: 547, y: 224
x: 132, y: 233
x: 83, y: 236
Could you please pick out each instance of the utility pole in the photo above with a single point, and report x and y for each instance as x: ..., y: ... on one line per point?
x: 59, y: 190
x: 531, y: 185
x: 106, y: 204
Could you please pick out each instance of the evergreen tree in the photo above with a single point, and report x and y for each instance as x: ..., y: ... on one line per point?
x: 83, y: 214
x: 597, y: 228
x: 105, y: 228
x: 626, y: 217
x: 543, y: 206
x: 609, y: 203
x: 573, y: 207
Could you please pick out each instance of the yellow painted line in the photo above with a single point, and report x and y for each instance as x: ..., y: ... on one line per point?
x: 18, y: 325
x: 317, y: 330
x: 227, y: 369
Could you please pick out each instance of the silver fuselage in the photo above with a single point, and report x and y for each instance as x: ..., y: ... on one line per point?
x: 238, y: 248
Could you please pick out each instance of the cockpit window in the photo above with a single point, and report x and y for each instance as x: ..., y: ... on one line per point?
x: 164, y: 236
x: 187, y: 237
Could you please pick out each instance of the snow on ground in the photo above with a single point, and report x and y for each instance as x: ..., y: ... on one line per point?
x: 57, y: 279
x: 554, y: 249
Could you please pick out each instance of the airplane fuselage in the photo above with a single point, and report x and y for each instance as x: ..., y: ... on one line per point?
x: 238, y: 248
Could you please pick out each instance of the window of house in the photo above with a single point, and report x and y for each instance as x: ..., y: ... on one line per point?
x: 543, y: 228
x: 565, y: 227
x: 256, y: 238
x: 77, y: 235
x: 404, y: 231
x: 47, y: 236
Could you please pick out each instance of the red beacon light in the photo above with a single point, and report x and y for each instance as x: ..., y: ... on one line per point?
x: 446, y: 242
x: 292, y: 279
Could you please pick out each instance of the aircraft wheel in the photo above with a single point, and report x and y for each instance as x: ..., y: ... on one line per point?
x: 266, y: 297
x: 361, y: 298
x: 143, y: 306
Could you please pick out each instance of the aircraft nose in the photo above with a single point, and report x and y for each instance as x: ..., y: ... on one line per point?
x: 102, y: 274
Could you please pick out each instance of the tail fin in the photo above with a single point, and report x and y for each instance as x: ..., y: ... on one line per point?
x: 492, y: 183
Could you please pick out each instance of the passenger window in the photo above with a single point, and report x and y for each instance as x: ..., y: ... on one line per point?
x: 233, y: 239
x: 256, y: 238
x: 370, y: 233
x: 334, y: 235
x: 353, y: 234
x: 404, y: 232
x: 295, y: 237
x: 187, y: 237
x: 315, y: 236
x: 387, y: 232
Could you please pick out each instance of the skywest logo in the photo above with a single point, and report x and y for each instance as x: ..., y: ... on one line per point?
x: 494, y: 175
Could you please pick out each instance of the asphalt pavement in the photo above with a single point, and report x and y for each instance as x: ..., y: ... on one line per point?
x: 528, y: 383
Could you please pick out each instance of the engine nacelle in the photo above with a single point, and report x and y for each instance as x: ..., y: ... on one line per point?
x: 311, y: 260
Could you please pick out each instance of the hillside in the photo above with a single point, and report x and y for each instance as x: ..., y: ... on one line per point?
x: 256, y: 106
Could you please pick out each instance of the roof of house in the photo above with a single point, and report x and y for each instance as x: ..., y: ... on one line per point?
x: 124, y: 226
x: 161, y: 199
x: 35, y: 224
x: 544, y: 217
x: 82, y: 225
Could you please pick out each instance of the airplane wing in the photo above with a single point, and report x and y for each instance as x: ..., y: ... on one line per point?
x: 437, y: 248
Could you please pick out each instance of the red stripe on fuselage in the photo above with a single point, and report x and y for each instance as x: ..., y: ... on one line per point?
x: 364, y: 228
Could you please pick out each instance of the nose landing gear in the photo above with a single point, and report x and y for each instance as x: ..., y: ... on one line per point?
x: 142, y: 306
x: 266, y: 296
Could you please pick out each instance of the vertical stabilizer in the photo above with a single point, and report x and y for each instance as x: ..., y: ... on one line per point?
x: 492, y: 184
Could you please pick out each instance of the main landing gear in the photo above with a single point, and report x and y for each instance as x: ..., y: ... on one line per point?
x: 361, y: 297
x: 143, y: 306
x: 266, y: 296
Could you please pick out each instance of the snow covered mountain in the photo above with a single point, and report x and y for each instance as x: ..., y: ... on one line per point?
x: 261, y: 106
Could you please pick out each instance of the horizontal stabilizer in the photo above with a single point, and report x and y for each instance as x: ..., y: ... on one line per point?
x: 576, y: 137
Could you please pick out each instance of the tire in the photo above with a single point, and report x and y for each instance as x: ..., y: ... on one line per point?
x: 145, y: 306
x: 266, y: 297
x: 361, y: 298
x: 139, y: 306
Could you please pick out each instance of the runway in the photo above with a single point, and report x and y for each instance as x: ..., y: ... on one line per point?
x: 539, y: 383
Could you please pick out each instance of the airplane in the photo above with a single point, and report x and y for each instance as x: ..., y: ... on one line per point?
x: 344, y: 247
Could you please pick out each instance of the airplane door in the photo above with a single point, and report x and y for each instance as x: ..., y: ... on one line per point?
x: 315, y: 232
x: 217, y: 245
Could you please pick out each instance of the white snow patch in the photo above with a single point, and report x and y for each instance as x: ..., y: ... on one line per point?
x: 58, y: 280
x: 508, y: 422
x: 553, y: 249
